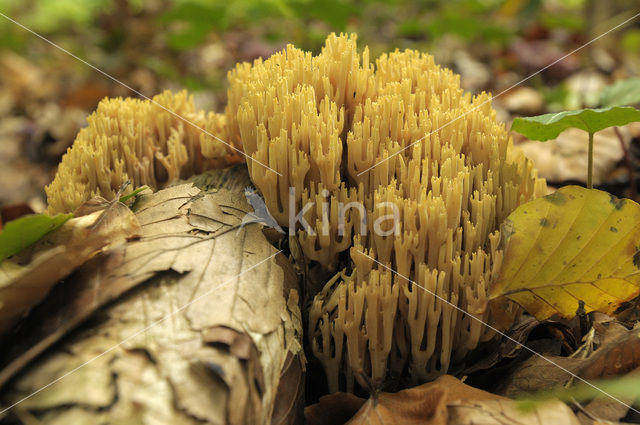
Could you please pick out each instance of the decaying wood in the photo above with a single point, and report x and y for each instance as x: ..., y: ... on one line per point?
x: 207, y: 329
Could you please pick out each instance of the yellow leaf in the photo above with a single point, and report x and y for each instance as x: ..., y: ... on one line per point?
x: 574, y: 245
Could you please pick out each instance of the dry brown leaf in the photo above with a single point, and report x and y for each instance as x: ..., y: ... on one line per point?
x: 605, y: 409
x: 617, y: 355
x: 446, y: 401
x: 57, y: 255
x: 505, y: 412
x: 333, y: 409
x: 94, y: 285
x: 536, y: 374
x: 224, y: 358
x: 425, y: 404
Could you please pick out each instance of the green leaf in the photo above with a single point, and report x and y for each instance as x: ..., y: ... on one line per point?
x: 24, y: 231
x: 125, y: 198
x: 625, y: 92
x: 549, y: 126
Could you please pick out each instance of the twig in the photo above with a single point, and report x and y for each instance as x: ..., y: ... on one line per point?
x: 585, y: 412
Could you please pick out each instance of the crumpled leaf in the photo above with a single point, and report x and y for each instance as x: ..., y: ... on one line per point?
x: 208, y: 337
x: 26, y: 281
x: 549, y: 126
x: 500, y: 412
x: 613, y: 367
x: 605, y: 408
x: 549, y: 334
x: 425, y: 404
x: 27, y: 230
x: 446, y: 401
x: 617, y: 355
x: 575, y: 245
x: 74, y: 300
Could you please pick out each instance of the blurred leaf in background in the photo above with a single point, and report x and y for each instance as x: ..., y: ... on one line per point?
x: 190, y: 22
x: 624, y: 92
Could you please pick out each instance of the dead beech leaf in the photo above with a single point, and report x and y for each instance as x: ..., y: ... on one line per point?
x: 98, y: 282
x: 205, y: 327
x: 289, y: 400
x: 446, y: 401
x: 503, y: 412
x: 57, y: 255
x: 333, y: 409
x: 605, y: 409
x: 575, y: 245
x: 616, y: 356
x: 425, y: 404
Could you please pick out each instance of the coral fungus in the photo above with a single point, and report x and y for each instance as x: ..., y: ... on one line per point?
x: 434, y: 174
x: 403, y: 179
x: 148, y: 142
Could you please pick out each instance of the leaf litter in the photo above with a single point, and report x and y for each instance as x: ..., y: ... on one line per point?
x: 212, y: 332
x: 27, y: 278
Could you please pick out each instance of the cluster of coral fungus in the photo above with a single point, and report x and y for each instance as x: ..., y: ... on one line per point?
x: 147, y: 142
x: 335, y: 126
x: 397, y: 221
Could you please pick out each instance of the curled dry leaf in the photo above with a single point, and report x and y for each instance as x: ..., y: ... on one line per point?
x: 616, y: 356
x: 501, y: 412
x: 75, y: 299
x: 26, y: 281
x: 333, y: 409
x: 212, y: 336
x: 605, y: 408
x: 446, y: 401
x: 425, y: 404
x: 550, y: 333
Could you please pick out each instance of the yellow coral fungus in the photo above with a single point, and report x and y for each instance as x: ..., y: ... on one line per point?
x: 342, y: 131
x: 140, y: 141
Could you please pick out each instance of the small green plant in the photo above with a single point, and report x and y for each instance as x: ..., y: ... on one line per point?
x: 549, y: 126
x: 559, y: 227
x: 135, y: 194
